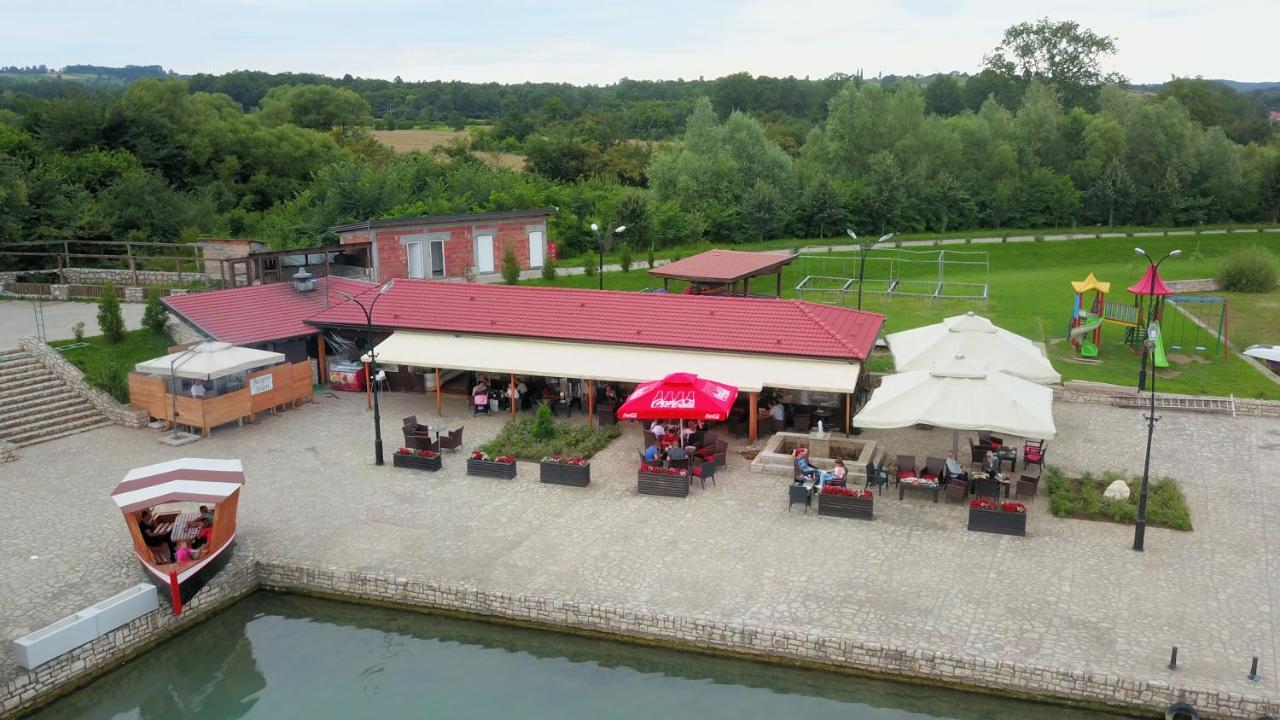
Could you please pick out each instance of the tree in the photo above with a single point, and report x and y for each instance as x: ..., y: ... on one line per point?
x: 154, y: 316
x: 456, y: 121
x: 823, y: 209
x: 1114, y: 191
x: 318, y: 107
x: 762, y: 211
x: 634, y: 212
x: 1061, y: 53
x: 624, y: 256
x: 110, y: 318
x: 943, y: 96
x: 510, y: 266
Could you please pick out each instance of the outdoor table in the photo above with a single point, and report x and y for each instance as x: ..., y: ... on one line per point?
x: 180, y: 530
x: 437, y: 429
x: 1001, y: 478
x: 921, y: 483
x: 1009, y: 454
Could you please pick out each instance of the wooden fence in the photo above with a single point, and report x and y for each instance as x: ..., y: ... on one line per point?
x: 287, y: 385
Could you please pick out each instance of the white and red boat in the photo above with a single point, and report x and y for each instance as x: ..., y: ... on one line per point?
x: 174, y: 491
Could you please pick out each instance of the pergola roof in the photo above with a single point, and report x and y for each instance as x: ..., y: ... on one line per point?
x: 724, y: 266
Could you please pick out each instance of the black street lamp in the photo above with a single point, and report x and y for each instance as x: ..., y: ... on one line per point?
x: 373, y: 368
x: 1148, y: 353
x: 600, y: 243
x: 864, y: 247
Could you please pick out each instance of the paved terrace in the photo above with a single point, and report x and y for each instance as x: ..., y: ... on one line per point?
x: 1070, y: 595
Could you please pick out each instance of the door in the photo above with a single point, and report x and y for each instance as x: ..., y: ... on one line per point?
x: 414, y: 252
x: 437, y: 258
x: 535, y: 248
x: 484, y: 253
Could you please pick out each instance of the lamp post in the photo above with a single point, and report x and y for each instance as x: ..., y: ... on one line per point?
x: 600, y: 243
x: 173, y: 384
x: 1148, y: 352
x: 864, y: 247
x: 373, y: 368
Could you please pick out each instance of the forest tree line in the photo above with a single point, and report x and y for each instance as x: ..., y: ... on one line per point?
x: 1021, y: 144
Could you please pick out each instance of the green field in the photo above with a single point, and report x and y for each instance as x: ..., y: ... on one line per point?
x: 100, y: 359
x: 1030, y: 295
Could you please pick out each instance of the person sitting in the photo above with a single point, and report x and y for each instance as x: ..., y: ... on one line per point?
x: 687, y: 430
x: 802, y: 464
x: 157, y: 543
x: 206, y: 514
x: 839, y: 473
x: 991, y: 464
x: 658, y: 429
x: 481, y: 387
x: 203, y: 536
x: 652, y: 453
x: 184, y: 552
x: 610, y: 394
x: 197, y: 390
x: 953, y: 468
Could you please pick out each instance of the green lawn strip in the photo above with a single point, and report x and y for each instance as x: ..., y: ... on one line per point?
x: 1030, y: 294
x: 521, y: 438
x: 1253, y: 318
x: 107, y: 366
x: 1081, y: 498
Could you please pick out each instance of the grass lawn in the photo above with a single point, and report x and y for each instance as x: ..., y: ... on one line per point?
x: 1082, y: 498
x: 1253, y: 318
x: 1030, y: 294
x: 101, y: 362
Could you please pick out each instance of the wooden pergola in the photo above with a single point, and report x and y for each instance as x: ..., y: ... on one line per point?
x: 732, y: 269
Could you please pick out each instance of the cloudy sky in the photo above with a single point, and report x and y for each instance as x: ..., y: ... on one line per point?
x: 585, y: 41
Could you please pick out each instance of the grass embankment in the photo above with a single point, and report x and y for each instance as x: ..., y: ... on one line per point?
x: 1030, y: 294
x: 1254, y: 318
x: 538, y: 436
x: 1081, y: 498
x: 107, y: 366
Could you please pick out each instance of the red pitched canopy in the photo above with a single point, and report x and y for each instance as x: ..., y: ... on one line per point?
x: 1150, y: 284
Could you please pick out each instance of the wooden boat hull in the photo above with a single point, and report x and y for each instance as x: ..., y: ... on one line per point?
x: 190, y: 580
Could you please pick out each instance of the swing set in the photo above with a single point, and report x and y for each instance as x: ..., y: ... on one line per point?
x: 1187, y: 331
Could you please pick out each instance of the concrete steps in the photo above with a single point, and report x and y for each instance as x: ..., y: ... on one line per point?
x: 36, y: 406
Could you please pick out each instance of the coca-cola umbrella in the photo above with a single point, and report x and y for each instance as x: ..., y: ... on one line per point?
x: 679, y: 396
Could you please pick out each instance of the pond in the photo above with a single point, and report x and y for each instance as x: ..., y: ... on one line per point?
x: 280, y: 656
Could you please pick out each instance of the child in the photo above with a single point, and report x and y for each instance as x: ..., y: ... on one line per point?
x: 184, y: 552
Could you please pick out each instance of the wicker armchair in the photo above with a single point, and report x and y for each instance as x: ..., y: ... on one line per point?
x: 453, y: 440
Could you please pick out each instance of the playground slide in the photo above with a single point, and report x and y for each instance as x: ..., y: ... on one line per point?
x: 1087, y: 348
x: 1084, y: 329
x: 1158, y: 351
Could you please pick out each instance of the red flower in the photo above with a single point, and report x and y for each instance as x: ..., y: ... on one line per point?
x: 1013, y: 507
x: 506, y: 459
x: 982, y: 504
x: 477, y: 455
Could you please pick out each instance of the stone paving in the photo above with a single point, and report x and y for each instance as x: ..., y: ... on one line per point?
x: 1072, y: 594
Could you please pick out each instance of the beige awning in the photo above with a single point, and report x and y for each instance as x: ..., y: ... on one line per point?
x: 614, y: 363
x: 209, y: 360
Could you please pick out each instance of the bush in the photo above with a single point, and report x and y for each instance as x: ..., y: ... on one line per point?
x: 1251, y: 268
x: 110, y: 319
x: 1082, y: 498
x: 519, y: 438
x: 155, y: 316
x: 110, y: 378
x: 77, y: 329
x: 548, y: 269
x: 543, y: 426
x: 510, y: 266
x: 589, y: 267
x: 624, y: 258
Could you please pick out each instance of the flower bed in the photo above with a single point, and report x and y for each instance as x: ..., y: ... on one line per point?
x: 1009, y: 518
x: 565, y: 470
x: 416, y: 459
x: 654, y: 480
x: 1082, y: 498
x: 843, y: 502
x: 482, y: 464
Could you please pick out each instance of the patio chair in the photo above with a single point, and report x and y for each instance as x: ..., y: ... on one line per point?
x: 801, y: 422
x: 957, y: 490
x: 705, y: 470
x: 1034, y: 456
x: 719, y: 448
x: 682, y: 463
x: 1027, y: 486
x: 798, y: 494
x: 987, y: 487
x: 418, y: 441
x: 709, y: 441
x: 933, y: 468
x: 452, y: 441
x: 987, y: 438
x: 479, y: 404
x: 735, y: 425
x: 649, y: 438
x: 876, y: 476
x: 977, y: 452
x: 413, y: 420
x: 608, y: 414
x: 906, y: 467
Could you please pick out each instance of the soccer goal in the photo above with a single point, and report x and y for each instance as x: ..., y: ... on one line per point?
x: 833, y: 278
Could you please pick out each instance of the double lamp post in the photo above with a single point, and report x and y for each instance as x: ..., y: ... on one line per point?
x: 1148, y: 354
x: 601, y: 242
x: 373, y: 366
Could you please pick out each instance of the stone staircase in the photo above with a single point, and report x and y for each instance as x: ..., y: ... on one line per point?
x: 36, y: 405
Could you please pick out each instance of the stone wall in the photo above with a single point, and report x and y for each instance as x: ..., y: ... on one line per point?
x: 1104, y: 394
x: 1187, y: 286
x: 97, y: 276
x: 28, y: 688
x: 58, y: 366
x: 181, y: 332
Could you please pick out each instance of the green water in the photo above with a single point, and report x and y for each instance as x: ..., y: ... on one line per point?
x: 282, y: 656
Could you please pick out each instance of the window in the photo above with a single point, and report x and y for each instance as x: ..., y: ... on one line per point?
x: 437, y: 258
x: 484, y: 253
x: 413, y: 250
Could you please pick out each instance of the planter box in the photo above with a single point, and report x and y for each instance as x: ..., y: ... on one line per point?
x: 491, y: 468
x: 565, y: 474
x: 998, y: 522
x: 845, y: 506
x: 662, y: 484
x: 416, y: 462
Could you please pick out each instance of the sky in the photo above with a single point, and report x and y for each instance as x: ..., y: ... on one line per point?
x: 599, y: 42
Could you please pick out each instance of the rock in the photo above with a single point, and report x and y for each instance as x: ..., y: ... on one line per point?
x: 1117, y: 490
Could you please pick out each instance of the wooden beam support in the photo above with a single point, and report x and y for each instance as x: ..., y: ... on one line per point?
x: 848, y: 414
x: 779, y: 282
x: 511, y: 396
x: 591, y: 401
x: 439, y: 399
x: 753, y: 420
x: 322, y: 365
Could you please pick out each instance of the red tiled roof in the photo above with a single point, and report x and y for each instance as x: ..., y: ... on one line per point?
x: 723, y: 266
x: 258, y: 313
x: 732, y: 324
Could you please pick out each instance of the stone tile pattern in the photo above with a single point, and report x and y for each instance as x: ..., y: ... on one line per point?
x: 74, y: 379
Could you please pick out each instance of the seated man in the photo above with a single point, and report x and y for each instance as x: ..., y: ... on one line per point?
x: 652, y: 453
x: 677, y: 453
x: 953, y: 469
x: 804, y: 468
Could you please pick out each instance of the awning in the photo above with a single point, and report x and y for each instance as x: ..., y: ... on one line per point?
x: 614, y: 363
x: 210, y: 360
x: 185, y: 480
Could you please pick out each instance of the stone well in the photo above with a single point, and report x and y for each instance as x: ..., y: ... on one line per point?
x: 824, y: 448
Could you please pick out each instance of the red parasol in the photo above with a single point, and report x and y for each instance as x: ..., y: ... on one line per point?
x: 1150, y: 284
x: 679, y: 396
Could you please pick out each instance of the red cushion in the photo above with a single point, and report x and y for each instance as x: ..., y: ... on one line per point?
x: 928, y: 476
x: 906, y: 473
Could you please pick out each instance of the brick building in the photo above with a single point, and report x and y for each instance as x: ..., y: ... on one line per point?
x: 449, y: 246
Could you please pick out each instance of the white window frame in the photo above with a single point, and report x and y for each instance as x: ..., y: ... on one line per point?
x: 414, y: 249
x: 541, y: 246
x: 493, y: 260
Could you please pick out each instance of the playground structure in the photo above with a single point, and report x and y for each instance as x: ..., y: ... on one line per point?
x: 833, y: 279
x: 1085, y: 328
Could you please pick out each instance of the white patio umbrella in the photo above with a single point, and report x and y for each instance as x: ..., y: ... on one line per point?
x: 962, y: 395
x: 976, y: 338
x: 210, y: 360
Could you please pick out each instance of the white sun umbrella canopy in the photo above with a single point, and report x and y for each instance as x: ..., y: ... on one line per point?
x: 961, y: 395
x: 210, y: 360
x: 976, y: 338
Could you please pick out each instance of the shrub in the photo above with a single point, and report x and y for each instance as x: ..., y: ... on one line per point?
x: 110, y: 319
x: 1082, y: 498
x: 518, y: 439
x: 548, y: 269
x: 651, y: 259
x: 624, y: 258
x: 510, y: 266
x: 544, y: 425
x: 110, y: 378
x: 589, y: 267
x: 77, y: 329
x: 1250, y: 268
x: 155, y: 316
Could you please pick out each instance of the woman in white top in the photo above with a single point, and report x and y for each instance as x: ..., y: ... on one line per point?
x: 658, y: 429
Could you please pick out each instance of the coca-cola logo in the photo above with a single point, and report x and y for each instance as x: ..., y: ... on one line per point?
x: 673, y: 400
x: 720, y: 393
